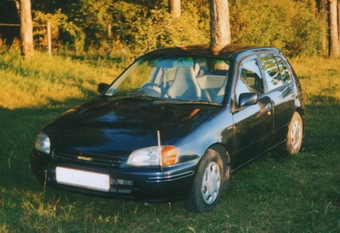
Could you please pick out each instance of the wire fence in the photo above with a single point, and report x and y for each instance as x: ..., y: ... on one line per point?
x: 48, y: 27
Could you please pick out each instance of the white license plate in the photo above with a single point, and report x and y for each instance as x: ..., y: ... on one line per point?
x: 85, y: 179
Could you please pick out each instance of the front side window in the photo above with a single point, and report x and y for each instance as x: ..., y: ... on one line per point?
x: 250, y: 78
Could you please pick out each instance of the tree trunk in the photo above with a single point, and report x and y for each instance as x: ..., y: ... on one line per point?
x: 26, y: 29
x: 334, y: 49
x: 175, y: 7
x: 324, y: 26
x: 219, y: 23
x: 338, y: 16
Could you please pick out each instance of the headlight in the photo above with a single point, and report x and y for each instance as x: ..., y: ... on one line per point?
x: 42, y: 143
x: 151, y: 156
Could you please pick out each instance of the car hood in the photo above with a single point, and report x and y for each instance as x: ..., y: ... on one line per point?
x: 120, y: 126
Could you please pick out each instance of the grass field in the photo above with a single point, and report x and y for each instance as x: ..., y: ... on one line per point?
x: 300, y: 193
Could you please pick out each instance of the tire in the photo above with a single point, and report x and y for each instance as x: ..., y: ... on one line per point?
x: 207, y: 185
x: 294, y: 135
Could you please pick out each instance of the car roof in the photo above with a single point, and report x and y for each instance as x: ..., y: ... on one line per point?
x: 206, y: 50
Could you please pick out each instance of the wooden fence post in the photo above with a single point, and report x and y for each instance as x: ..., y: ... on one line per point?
x: 49, y: 40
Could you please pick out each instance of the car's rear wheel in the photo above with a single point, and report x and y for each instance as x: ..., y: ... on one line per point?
x: 294, y: 135
x: 207, y: 185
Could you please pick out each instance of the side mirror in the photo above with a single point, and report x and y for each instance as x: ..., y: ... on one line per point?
x: 246, y: 99
x: 102, y: 87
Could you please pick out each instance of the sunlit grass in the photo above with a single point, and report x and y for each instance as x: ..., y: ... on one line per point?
x: 300, y: 193
x: 320, y: 79
x: 48, y: 80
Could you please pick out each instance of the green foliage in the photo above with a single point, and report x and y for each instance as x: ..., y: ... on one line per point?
x: 287, y: 24
x: 63, y: 31
x: 93, y: 17
x: 139, y: 29
x: 137, y: 26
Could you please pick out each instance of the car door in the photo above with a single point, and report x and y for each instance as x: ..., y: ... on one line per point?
x: 279, y: 82
x: 253, y: 123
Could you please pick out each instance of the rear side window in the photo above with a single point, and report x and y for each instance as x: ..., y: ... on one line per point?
x: 271, y: 71
x: 275, y: 70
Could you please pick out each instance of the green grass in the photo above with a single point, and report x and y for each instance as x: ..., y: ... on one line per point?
x: 300, y: 193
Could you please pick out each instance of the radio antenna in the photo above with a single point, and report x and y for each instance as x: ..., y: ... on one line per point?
x: 159, y: 149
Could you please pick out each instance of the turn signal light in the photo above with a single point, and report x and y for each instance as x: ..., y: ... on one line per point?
x: 169, y: 155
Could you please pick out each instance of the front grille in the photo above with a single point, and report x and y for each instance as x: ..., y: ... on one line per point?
x: 101, y: 160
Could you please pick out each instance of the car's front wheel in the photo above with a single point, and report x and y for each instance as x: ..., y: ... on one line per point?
x: 294, y: 135
x: 207, y: 185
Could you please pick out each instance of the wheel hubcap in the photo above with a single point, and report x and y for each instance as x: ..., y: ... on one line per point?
x: 296, y: 134
x: 211, y: 183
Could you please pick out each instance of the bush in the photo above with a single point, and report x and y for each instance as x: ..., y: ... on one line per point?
x: 63, y: 31
x: 287, y: 24
x: 290, y: 25
x: 141, y: 29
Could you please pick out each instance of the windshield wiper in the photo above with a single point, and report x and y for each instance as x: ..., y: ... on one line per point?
x: 137, y: 97
x: 158, y: 100
x: 187, y: 102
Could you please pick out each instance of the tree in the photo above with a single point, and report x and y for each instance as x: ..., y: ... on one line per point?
x: 324, y: 25
x: 26, y: 29
x: 219, y: 23
x: 334, y: 42
x: 338, y: 21
x: 175, y: 7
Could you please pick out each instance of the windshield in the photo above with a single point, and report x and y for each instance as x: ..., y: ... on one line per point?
x: 176, y: 78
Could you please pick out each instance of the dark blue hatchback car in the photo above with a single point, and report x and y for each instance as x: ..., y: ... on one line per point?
x: 175, y: 125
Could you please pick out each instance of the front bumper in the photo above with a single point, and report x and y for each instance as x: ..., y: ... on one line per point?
x: 135, y: 183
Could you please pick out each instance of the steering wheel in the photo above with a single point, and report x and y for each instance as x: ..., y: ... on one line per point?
x: 163, y: 90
